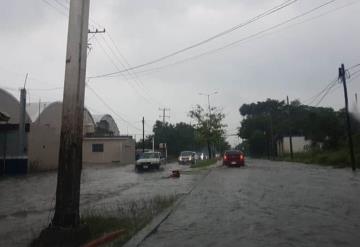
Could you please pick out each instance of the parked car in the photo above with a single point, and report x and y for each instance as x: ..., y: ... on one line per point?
x: 149, y: 160
x: 234, y: 158
x: 187, y: 157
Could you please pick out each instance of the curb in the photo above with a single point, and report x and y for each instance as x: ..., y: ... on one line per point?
x: 152, y: 227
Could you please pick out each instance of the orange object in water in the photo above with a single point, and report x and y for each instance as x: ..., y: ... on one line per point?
x: 175, y: 174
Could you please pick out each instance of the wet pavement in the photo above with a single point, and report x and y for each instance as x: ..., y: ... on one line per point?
x: 267, y: 204
x: 26, y: 202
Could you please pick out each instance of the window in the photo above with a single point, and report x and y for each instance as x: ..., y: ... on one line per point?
x: 98, y: 148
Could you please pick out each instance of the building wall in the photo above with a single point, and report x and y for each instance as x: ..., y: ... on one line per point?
x: 44, y: 143
x: 44, y: 137
x: 11, y: 106
x: 115, y: 150
x: 11, y: 145
x: 300, y: 144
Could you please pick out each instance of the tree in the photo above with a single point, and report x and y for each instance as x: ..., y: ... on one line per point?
x: 209, y: 126
x: 266, y: 122
x: 179, y: 137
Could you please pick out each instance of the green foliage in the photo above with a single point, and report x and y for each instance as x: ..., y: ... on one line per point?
x: 209, y: 127
x: 204, y: 163
x: 131, y: 217
x: 266, y: 122
x: 336, y: 158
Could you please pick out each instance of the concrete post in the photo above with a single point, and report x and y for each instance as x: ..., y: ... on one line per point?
x: 70, y: 155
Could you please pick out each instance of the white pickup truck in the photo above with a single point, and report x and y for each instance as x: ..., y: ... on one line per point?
x: 149, y: 160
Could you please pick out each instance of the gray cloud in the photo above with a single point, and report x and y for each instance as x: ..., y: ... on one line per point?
x: 297, y: 61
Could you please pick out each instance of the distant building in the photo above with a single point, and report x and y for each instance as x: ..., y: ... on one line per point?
x: 102, y: 143
x: 109, y: 149
x: 44, y: 137
x: 299, y: 143
x: 105, y: 125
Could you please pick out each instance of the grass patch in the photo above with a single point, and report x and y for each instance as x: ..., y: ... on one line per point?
x: 338, y: 158
x: 204, y: 163
x: 130, y: 216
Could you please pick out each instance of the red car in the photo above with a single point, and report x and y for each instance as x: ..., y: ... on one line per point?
x: 233, y: 158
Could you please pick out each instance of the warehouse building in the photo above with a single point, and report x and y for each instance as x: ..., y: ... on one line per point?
x: 13, y: 142
x: 102, y: 142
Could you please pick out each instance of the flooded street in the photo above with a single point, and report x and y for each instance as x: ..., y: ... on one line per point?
x: 267, y: 204
x: 27, y: 202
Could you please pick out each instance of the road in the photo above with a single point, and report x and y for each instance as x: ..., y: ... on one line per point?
x: 26, y: 202
x: 267, y: 204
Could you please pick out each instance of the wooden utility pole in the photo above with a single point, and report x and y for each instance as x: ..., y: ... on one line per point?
x: 70, y: 155
x: 290, y: 136
x: 143, y: 140
x: 342, y: 76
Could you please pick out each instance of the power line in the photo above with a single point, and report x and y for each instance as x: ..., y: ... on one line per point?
x: 254, y: 19
x: 59, y: 10
x: 325, y: 94
x: 134, y: 75
x: 246, y: 39
x: 316, y: 96
x: 62, y: 4
x: 232, y: 44
x: 120, y: 58
x: 110, y: 108
x: 124, y: 75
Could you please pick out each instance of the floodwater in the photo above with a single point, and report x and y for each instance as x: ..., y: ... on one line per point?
x: 267, y: 204
x: 26, y: 202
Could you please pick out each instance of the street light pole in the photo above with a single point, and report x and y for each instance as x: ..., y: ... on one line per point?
x: 208, y: 96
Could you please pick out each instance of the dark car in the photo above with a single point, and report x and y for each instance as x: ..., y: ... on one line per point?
x: 234, y: 158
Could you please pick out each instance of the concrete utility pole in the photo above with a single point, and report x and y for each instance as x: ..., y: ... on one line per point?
x: 143, y: 133
x: 290, y: 136
x: 163, y: 116
x: 70, y: 156
x: 153, y: 143
x: 22, y: 119
x: 342, y: 76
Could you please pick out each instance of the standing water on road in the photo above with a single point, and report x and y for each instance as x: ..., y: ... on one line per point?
x: 27, y: 202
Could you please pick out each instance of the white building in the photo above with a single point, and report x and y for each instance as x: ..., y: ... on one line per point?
x: 299, y: 144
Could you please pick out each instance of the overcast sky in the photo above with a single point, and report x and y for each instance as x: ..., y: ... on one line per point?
x: 298, y: 59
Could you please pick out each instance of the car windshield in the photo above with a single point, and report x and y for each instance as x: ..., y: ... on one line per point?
x: 234, y: 152
x: 186, y: 153
x: 150, y: 155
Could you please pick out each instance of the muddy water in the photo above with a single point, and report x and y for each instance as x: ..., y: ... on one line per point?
x: 267, y: 204
x: 26, y: 203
